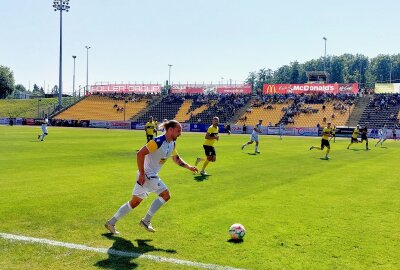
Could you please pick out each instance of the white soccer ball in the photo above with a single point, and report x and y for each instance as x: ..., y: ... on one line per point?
x: 237, y: 231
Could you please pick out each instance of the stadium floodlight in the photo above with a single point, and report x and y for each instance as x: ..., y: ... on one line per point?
x: 325, y: 39
x: 73, y: 79
x: 61, y: 6
x: 87, y: 69
x: 169, y: 74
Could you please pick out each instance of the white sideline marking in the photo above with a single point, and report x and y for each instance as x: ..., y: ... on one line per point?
x: 115, y: 252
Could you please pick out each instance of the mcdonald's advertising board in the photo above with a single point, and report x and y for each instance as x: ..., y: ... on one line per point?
x: 329, y: 88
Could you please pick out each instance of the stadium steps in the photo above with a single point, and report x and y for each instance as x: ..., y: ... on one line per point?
x: 146, y: 109
x: 235, y: 118
x: 359, y: 108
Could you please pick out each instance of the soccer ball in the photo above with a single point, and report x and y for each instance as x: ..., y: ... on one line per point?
x: 237, y: 231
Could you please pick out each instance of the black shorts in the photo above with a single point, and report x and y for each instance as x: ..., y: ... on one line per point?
x: 149, y: 137
x: 325, y: 143
x: 209, y: 150
x: 333, y: 135
x: 364, y: 138
x: 354, y: 140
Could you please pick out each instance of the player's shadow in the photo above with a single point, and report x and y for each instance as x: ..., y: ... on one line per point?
x: 122, y: 253
x: 201, y: 178
x: 355, y: 149
x: 324, y: 159
x: 252, y: 154
x: 235, y: 241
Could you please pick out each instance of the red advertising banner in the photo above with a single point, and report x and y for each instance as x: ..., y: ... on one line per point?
x: 234, y: 89
x: 347, y: 88
x: 127, y: 88
x: 331, y: 88
x: 184, y: 89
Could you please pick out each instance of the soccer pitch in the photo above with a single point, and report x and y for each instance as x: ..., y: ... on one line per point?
x: 300, y: 212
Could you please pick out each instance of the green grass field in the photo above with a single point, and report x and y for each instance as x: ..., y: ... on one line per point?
x: 300, y: 212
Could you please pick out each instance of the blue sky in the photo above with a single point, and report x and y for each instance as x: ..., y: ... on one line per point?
x: 204, y: 40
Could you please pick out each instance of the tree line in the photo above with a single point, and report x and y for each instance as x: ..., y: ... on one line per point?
x: 346, y: 68
x: 8, y: 89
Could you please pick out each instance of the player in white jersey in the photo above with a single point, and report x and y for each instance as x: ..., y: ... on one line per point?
x: 281, y: 129
x: 150, y: 159
x: 254, y: 137
x: 45, y: 122
x: 382, y: 135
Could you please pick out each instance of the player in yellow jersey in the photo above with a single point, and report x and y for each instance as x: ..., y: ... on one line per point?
x: 149, y: 128
x: 155, y: 126
x: 333, y: 134
x: 326, y: 133
x: 208, y: 145
x: 150, y: 160
x: 354, y: 136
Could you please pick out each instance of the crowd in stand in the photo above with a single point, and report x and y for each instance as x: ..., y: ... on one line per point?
x: 149, y: 97
x: 383, y: 101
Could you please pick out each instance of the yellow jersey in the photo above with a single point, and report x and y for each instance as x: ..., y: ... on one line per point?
x: 149, y: 128
x: 325, y: 133
x: 213, y: 131
x: 355, y: 133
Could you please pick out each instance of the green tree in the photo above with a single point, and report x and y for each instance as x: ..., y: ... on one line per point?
x: 6, y: 81
x: 54, y: 90
x: 36, y: 90
x: 251, y: 79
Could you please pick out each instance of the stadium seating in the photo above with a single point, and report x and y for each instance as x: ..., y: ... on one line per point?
x: 196, y: 108
x: 103, y: 108
x: 382, y: 109
x: 310, y: 115
x: 269, y: 113
x: 167, y: 108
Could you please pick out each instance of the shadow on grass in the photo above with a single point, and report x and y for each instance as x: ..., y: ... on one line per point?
x: 235, y: 241
x: 252, y: 154
x: 201, y: 178
x: 122, y: 252
x: 322, y: 158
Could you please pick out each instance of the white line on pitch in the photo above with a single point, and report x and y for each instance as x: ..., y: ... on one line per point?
x: 115, y: 252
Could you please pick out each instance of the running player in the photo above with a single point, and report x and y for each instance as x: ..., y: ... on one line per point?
x: 254, y: 137
x: 149, y: 128
x: 44, y: 122
x: 394, y: 133
x: 326, y: 133
x: 382, y: 135
x: 354, y: 136
x: 333, y: 134
x: 208, y: 145
x: 150, y: 159
x: 364, y: 136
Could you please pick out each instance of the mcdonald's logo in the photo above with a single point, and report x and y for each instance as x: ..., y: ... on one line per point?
x: 269, y: 89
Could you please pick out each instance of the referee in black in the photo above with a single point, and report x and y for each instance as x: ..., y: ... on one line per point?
x: 364, y: 137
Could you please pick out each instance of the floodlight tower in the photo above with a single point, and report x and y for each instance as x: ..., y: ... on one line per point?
x: 60, y: 5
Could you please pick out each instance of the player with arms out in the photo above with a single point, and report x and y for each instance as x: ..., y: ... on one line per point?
x: 382, y: 135
x: 150, y: 159
x: 208, y: 145
x: 44, y: 122
x: 254, y: 136
x: 150, y: 128
x: 326, y: 133
x: 354, y: 136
